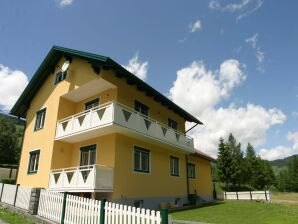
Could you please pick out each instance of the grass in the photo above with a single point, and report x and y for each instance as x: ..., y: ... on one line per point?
x: 244, y: 212
x: 14, y: 218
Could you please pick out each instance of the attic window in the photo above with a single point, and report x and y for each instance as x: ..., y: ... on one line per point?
x: 60, y: 76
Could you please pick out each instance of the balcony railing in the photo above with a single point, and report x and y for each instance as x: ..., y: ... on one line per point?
x: 113, y: 113
x: 82, y: 179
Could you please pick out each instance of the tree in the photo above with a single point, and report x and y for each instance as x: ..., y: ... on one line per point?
x: 224, y: 162
x: 262, y: 175
x: 237, y: 165
x: 293, y: 175
x: 250, y: 163
x: 8, y: 142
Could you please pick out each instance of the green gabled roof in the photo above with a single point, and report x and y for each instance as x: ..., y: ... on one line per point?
x: 96, y: 61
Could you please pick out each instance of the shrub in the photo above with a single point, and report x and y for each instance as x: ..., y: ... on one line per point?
x: 8, y: 181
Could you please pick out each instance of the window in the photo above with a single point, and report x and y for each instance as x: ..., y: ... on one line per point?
x: 191, y: 170
x: 172, y: 124
x: 33, y: 161
x: 91, y: 104
x: 60, y: 76
x: 141, y: 108
x: 138, y: 203
x: 39, y: 120
x: 141, y: 160
x: 174, y: 166
x: 88, y: 155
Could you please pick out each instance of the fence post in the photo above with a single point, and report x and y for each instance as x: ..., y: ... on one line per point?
x: 266, y: 195
x: 63, y: 207
x: 237, y: 194
x: 34, y: 201
x: 250, y: 195
x: 225, y: 195
x: 16, y: 194
x: 164, y: 216
x: 102, y: 211
x: 1, y: 192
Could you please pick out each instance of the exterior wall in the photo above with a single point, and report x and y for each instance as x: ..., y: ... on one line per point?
x: 80, y: 72
x: 202, y: 184
x: 157, y: 183
x: 127, y: 94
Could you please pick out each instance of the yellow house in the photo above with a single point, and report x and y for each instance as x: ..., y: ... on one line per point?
x: 93, y: 128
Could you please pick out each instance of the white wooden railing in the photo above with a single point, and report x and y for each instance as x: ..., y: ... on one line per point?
x: 116, y: 113
x: 82, y: 178
x: 248, y: 195
x: 23, y: 197
x: 15, y: 195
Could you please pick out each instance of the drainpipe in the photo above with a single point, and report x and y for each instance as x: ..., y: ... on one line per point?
x: 187, y: 180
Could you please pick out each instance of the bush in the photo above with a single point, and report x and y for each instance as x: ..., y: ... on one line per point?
x: 8, y: 181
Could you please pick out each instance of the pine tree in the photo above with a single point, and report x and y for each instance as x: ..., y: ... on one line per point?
x: 237, y: 165
x: 250, y: 162
x: 224, y: 162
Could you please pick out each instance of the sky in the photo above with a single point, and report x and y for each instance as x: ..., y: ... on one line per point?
x: 232, y: 64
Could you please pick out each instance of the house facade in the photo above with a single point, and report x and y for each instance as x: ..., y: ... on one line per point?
x: 94, y: 129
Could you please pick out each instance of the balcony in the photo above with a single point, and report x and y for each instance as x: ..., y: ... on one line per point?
x: 113, y: 117
x: 93, y: 178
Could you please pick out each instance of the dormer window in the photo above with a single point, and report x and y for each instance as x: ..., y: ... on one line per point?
x: 60, y: 76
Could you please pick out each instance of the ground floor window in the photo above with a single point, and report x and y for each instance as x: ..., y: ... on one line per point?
x: 138, y: 203
x: 141, y: 159
x: 191, y: 170
x: 174, y: 164
x: 33, y: 161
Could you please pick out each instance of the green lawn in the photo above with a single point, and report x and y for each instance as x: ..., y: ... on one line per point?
x: 13, y: 218
x: 244, y: 212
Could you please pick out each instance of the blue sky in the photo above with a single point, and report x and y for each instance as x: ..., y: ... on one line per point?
x: 236, y: 60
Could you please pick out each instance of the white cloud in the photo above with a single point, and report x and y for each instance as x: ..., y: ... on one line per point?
x: 215, y: 5
x: 252, y: 40
x: 203, y: 88
x: 260, y: 55
x: 280, y: 152
x: 196, y: 26
x: 295, y: 114
x: 199, y: 91
x: 243, y: 8
x: 12, y: 84
x: 136, y: 67
x: 63, y: 3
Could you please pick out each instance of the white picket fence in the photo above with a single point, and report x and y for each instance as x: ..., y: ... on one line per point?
x: 50, y: 205
x: 248, y: 195
x: 23, y: 197
x: 122, y: 214
x: 82, y: 210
